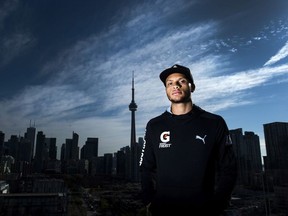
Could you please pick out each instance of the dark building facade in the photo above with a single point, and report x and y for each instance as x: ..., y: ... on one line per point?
x: 247, y: 149
x: 30, y: 137
x: 40, y: 152
x: 71, y: 147
x: 90, y: 148
x: 2, y: 139
x: 276, y: 161
x: 276, y: 164
x: 52, y: 148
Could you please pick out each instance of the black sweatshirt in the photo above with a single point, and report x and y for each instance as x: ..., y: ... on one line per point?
x: 187, y: 162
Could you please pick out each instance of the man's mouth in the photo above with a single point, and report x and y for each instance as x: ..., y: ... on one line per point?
x: 176, y: 93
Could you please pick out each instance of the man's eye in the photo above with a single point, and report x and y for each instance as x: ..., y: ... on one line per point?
x: 169, y: 83
x: 183, y: 81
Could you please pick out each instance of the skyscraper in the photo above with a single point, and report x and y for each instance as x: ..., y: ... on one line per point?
x: 247, y: 149
x: 39, y: 154
x: 2, y: 137
x: 72, y: 148
x: 276, y: 161
x: 30, y: 136
x: 90, y: 149
x: 52, y: 148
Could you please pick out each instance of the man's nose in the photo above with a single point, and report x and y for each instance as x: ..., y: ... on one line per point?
x: 176, y: 85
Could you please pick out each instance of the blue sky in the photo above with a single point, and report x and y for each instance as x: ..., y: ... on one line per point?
x: 67, y: 65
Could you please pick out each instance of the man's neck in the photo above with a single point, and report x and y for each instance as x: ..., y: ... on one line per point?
x: 181, y: 108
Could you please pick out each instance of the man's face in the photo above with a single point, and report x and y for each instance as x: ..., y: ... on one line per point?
x: 178, y: 88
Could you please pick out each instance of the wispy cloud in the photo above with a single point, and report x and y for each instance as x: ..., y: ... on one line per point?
x: 281, y: 54
x: 14, y: 45
x: 232, y: 89
x: 7, y: 8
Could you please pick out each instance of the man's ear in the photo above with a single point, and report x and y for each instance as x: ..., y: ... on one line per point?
x: 192, y: 87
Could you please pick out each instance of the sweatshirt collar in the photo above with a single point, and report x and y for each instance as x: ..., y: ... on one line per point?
x: 196, y: 109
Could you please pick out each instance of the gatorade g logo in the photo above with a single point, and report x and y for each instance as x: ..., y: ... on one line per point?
x: 165, y: 136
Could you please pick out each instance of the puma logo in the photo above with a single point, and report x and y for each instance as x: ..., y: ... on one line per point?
x: 203, y: 139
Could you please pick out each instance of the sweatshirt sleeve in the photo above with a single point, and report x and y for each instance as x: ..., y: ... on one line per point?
x: 147, y: 167
x: 226, y: 175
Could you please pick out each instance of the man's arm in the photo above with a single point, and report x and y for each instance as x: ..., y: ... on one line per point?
x: 226, y: 170
x: 147, y: 168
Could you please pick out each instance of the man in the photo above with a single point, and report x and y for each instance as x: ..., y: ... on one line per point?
x: 187, y: 164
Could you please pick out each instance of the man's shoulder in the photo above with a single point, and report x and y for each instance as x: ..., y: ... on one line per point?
x: 158, y: 118
x: 209, y: 115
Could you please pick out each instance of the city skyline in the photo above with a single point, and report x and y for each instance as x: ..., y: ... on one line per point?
x: 86, y: 139
x: 67, y: 66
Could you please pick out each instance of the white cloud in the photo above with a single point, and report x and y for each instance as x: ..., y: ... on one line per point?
x: 281, y: 54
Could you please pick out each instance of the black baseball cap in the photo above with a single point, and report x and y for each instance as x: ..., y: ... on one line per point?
x: 176, y: 69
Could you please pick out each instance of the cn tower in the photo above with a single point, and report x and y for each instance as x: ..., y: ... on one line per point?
x: 133, y: 108
x: 133, y: 169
